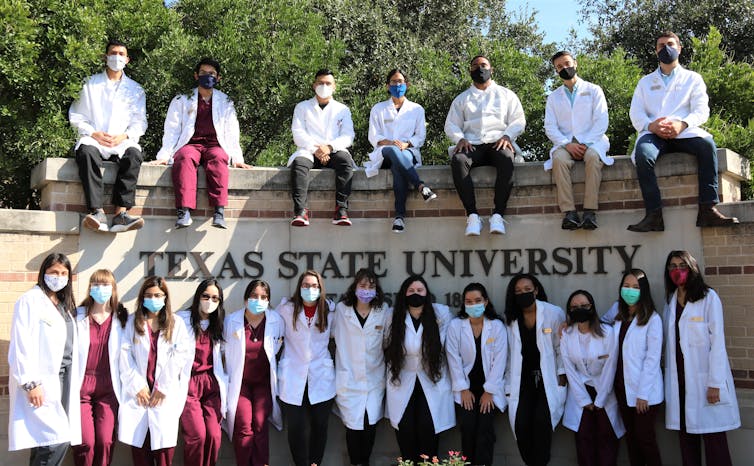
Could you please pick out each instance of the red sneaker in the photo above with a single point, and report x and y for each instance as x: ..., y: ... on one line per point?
x: 341, y: 217
x: 301, y: 220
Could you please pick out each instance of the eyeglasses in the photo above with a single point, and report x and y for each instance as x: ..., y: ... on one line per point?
x: 156, y: 295
x: 207, y: 297
x: 310, y: 285
x: 681, y: 266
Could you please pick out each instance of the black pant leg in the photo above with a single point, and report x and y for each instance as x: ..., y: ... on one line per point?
x: 319, y: 417
x: 296, y: 419
x: 89, y: 161
x: 467, y: 424
x: 300, y: 182
x: 342, y: 162
x: 460, y: 166
x: 502, y: 160
x: 361, y: 442
x: 49, y: 455
x: 533, y: 426
x: 485, y: 438
x: 129, y: 167
x: 428, y: 442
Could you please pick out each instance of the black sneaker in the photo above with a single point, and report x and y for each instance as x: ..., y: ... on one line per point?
x: 218, y: 219
x: 590, y: 220
x: 184, y: 218
x: 398, y: 225
x: 427, y: 194
x: 96, y: 221
x: 341, y: 217
x: 571, y: 221
x: 124, y: 222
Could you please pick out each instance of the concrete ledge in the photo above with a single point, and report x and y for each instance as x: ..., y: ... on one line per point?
x: 39, y: 221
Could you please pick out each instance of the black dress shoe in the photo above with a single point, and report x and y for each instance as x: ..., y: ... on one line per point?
x: 652, y: 221
x: 590, y: 220
x: 571, y: 221
x: 709, y: 216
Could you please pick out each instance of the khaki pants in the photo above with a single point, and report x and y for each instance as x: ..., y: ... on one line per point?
x: 561, y: 174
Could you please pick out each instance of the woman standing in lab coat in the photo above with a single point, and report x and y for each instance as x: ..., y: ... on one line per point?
x: 477, y: 351
x: 154, y: 352
x: 700, y: 399
x: 253, y: 338
x: 418, y: 387
x: 358, y: 329
x: 638, y: 379
x: 43, y: 384
x: 101, y: 320
x: 306, y: 372
x: 204, y: 379
x: 591, y: 410
x: 535, y: 381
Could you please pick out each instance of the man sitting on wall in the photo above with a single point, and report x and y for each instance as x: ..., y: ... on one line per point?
x: 110, y: 117
x: 201, y: 129
x: 668, y: 108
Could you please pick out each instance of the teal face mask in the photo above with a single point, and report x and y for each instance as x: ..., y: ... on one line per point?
x: 630, y: 295
x: 475, y: 310
x: 309, y: 295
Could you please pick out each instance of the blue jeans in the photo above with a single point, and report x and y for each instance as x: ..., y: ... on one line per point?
x: 401, y: 164
x: 649, y: 147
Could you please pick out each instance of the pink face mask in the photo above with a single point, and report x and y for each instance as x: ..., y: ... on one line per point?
x: 678, y: 276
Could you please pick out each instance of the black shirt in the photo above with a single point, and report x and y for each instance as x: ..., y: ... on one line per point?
x: 476, y: 376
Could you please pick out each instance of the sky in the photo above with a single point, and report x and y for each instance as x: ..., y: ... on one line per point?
x: 555, y: 17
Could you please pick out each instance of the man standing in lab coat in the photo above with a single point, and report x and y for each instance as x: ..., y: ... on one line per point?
x: 110, y: 117
x: 483, y: 123
x: 322, y: 131
x: 668, y: 108
x: 576, y: 121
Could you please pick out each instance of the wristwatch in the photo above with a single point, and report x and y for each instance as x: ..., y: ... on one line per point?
x: 29, y: 386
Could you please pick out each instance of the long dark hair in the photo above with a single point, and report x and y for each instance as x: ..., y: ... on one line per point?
x: 512, y: 310
x: 215, y: 318
x: 106, y: 276
x: 164, y: 316
x: 65, y: 296
x: 489, y: 309
x: 349, y: 297
x: 250, y: 287
x: 322, y: 307
x: 594, y: 321
x: 432, y: 352
x: 695, y: 286
x: 646, y: 305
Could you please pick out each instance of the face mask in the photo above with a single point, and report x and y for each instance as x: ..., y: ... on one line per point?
x: 679, y: 276
x: 366, y: 295
x: 207, y: 81
x: 397, y: 90
x: 204, y: 324
x: 415, y: 300
x: 208, y: 306
x: 56, y: 282
x: 668, y: 54
x: 481, y: 75
x: 524, y: 300
x: 567, y: 73
x: 323, y: 91
x: 581, y: 314
x: 630, y: 295
x: 154, y: 305
x: 101, y: 293
x: 116, y: 62
x: 309, y: 295
x: 257, y: 306
x: 475, y: 310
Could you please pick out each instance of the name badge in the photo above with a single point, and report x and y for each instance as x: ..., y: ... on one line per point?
x: 603, y: 356
x: 239, y: 334
x: 378, y: 327
x: 547, y: 330
x: 656, y: 87
x: 585, y: 94
x: 697, y: 319
x: 490, y: 340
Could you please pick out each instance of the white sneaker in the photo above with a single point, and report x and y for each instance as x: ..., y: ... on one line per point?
x: 473, y: 225
x: 497, y: 225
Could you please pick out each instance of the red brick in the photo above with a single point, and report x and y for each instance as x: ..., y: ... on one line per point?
x: 749, y: 269
x: 710, y: 271
x: 734, y: 270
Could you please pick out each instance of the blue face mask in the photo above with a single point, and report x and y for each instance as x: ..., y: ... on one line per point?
x: 101, y: 293
x: 475, y: 310
x: 397, y: 90
x: 207, y: 81
x: 668, y: 54
x: 309, y: 295
x: 154, y: 305
x: 257, y: 306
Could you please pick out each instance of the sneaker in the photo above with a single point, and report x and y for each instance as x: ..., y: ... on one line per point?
x: 590, y: 220
x: 218, y: 219
x: 96, y: 221
x: 497, y: 225
x: 341, y: 217
x: 301, y: 219
x: 184, y: 218
x: 398, y: 225
x: 427, y: 194
x: 571, y: 221
x: 473, y: 225
x: 124, y: 222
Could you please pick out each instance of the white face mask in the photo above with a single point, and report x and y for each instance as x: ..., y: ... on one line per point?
x: 208, y: 306
x: 56, y: 282
x: 324, y: 91
x: 116, y: 62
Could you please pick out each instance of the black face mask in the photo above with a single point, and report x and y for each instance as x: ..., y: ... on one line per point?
x: 481, y: 75
x: 567, y: 73
x: 415, y: 300
x: 581, y: 314
x: 525, y: 300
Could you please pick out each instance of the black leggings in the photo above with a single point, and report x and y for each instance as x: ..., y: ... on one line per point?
x: 416, y: 431
x: 316, y: 417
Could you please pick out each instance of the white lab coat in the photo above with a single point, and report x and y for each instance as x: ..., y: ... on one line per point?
x: 113, y: 348
x: 706, y: 365
x: 586, y: 121
x: 306, y: 360
x: 313, y: 126
x: 407, y: 125
x: 360, y: 364
x: 160, y: 421
x: 37, y: 341
x: 642, y: 349
x: 460, y: 349
x: 115, y: 107
x: 684, y: 98
x: 217, y: 362
x: 439, y: 395
x: 485, y: 116
x: 181, y: 119
x: 597, y: 367
x: 549, y: 318
x: 234, y: 332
